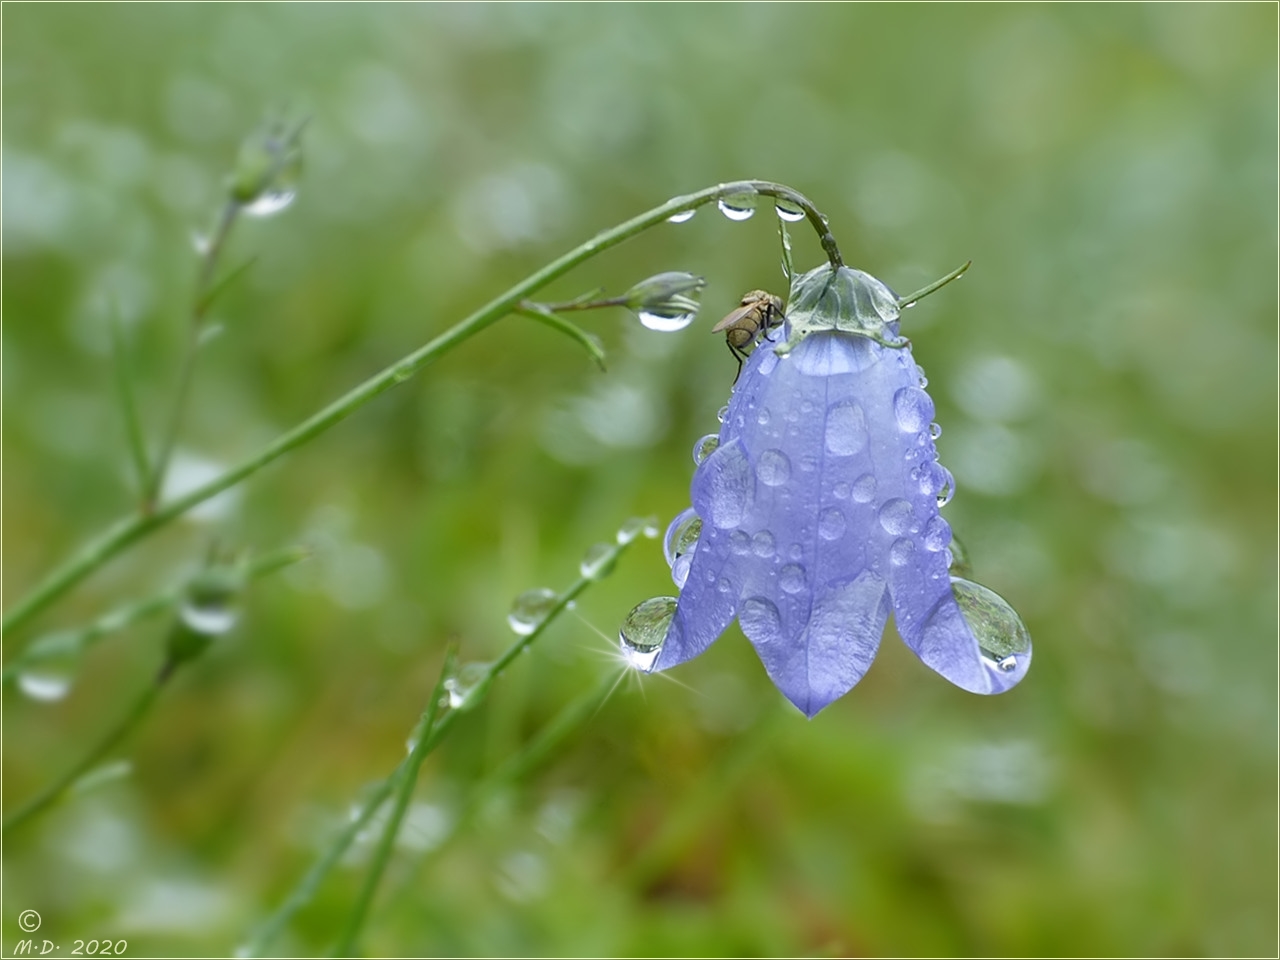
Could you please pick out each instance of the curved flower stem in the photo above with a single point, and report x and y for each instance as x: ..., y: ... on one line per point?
x: 426, y: 737
x: 131, y: 529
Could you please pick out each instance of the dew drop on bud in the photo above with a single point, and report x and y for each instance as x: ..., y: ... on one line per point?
x: 209, y: 616
x: 645, y: 629
x: 666, y: 320
x: 598, y: 561
x: 531, y: 608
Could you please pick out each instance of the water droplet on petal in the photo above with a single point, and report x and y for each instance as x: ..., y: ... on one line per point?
x: 846, y: 431
x: 723, y: 413
x: 895, y: 516
x: 901, y: 552
x: 791, y: 578
x: 46, y: 686
x: 1000, y: 632
x: 773, y: 468
x: 759, y: 620
x: 831, y: 524
x: 913, y: 409
x: 935, y: 431
x: 739, y: 543
x: 841, y: 491
x: 937, y: 534
x: 762, y: 417
x: 864, y: 489
x: 465, y: 688
x: 788, y: 211
x: 645, y: 630
x: 682, y: 535
x: 598, y: 561
x: 531, y: 608
x: 762, y: 544
x: 705, y: 447
x: 684, y: 216
x: 948, y: 488
x: 738, y: 206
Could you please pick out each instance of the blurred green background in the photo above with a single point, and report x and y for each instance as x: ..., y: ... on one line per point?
x: 1105, y: 376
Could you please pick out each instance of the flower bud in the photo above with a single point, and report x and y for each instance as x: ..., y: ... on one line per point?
x: 666, y: 301
x: 265, y: 178
x: 207, y: 609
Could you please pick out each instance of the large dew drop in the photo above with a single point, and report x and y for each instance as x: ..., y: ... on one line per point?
x: 684, y: 216
x: 645, y: 629
x: 738, y: 206
x: 270, y: 202
x: 705, y: 447
x: 1002, y: 636
x: 666, y: 319
x: 913, y: 409
x: 531, y: 608
x: 682, y: 535
x: 44, y: 685
x: 208, y: 616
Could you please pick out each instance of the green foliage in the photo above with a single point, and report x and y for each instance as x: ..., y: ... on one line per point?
x: 1104, y: 376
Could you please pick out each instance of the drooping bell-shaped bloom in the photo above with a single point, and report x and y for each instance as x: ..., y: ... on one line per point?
x: 817, y: 512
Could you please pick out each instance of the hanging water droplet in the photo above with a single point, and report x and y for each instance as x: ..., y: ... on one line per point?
x: 46, y: 686
x: 723, y: 413
x: 645, y: 630
x: 598, y: 561
x: 788, y: 211
x: 948, y: 488
x: 935, y: 431
x: 705, y: 447
x: 1000, y: 632
x: 466, y: 687
x: 270, y: 202
x: 684, y: 216
x: 531, y: 608
x: 680, y: 570
x: 738, y: 206
x: 682, y: 535
x: 666, y: 319
x: 209, y: 616
x: 200, y: 243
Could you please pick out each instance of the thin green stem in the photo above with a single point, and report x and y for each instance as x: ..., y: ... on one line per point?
x: 406, y: 780
x: 128, y: 406
x: 912, y: 299
x: 131, y: 529
x: 199, y: 309
x: 425, y: 740
x: 543, y: 315
x: 54, y: 790
x: 74, y: 642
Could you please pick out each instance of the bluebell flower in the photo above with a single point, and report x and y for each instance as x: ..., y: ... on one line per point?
x: 816, y: 512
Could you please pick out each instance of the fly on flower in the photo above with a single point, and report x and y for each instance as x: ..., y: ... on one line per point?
x: 817, y: 513
x: 759, y: 311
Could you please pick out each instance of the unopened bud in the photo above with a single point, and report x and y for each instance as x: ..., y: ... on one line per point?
x: 207, y: 609
x: 666, y: 301
x: 265, y: 179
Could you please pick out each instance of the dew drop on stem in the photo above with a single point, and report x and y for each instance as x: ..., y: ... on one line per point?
x: 738, y: 206
x: 788, y: 211
x: 531, y: 608
x: 684, y: 216
x: 598, y: 561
